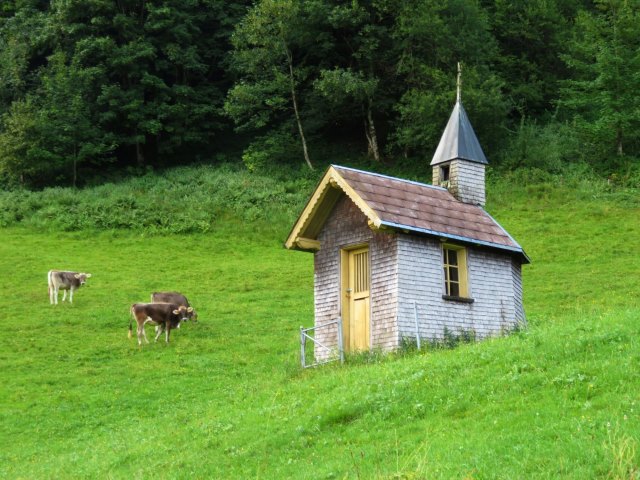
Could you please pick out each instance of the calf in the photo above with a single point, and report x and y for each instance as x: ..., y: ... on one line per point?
x: 59, y: 280
x: 173, y: 297
x: 164, y: 315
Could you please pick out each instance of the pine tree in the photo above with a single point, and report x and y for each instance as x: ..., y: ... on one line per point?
x: 603, y: 94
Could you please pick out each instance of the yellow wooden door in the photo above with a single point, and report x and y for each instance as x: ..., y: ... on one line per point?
x: 358, y: 299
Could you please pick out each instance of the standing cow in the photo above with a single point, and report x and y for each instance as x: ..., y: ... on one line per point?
x: 165, y: 315
x: 173, y: 297
x: 60, y: 280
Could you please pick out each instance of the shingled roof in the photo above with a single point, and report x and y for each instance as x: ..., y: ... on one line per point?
x: 458, y: 140
x: 397, y: 204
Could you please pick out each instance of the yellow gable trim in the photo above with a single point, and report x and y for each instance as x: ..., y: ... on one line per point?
x: 331, y: 179
x: 371, y: 215
x: 307, y: 243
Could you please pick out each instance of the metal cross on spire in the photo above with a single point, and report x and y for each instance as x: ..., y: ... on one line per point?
x: 459, y: 83
x: 458, y: 140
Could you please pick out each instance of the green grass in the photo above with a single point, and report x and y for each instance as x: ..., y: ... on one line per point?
x: 227, y: 399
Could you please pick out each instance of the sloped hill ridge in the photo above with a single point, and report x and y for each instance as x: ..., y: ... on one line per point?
x: 227, y: 399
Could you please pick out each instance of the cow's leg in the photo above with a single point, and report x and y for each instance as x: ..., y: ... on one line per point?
x: 64, y: 295
x: 55, y: 294
x: 159, y: 329
x: 51, y: 290
x: 139, y: 331
x: 71, y: 295
x: 168, y: 331
x: 144, y: 334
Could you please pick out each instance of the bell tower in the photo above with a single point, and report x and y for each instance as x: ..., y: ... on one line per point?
x: 459, y: 161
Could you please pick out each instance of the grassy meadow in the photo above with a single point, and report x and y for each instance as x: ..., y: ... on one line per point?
x: 227, y: 398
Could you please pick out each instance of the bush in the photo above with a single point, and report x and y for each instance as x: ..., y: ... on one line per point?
x: 180, y: 200
x: 547, y: 148
x: 279, y: 147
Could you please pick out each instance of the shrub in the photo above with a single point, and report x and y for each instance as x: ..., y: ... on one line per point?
x: 545, y: 148
x: 180, y: 200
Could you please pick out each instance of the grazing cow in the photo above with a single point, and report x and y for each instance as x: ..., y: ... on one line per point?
x: 164, y: 315
x: 59, y: 280
x: 173, y: 297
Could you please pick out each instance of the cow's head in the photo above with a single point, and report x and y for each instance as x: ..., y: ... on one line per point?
x: 185, y: 313
x: 82, y: 277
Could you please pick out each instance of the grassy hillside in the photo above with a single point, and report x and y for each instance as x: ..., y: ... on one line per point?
x: 179, y: 200
x: 226, y: 399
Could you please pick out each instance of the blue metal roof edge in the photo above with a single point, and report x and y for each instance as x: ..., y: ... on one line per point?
x: 499, y: 246
x: 459, y: 238
x: 508, y: 235
x: 390, y: 178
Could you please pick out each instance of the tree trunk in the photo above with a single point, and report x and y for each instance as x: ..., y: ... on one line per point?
x: 370, y: 133
x: 366, y: 134
x: 150, y: 150
x: 294, y: 100
x: 619, y: 141
x: 139, y: 154
x: 75, y: 165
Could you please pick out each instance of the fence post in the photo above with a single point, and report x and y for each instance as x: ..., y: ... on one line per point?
x: 303, y: 341
x: 340, y: 340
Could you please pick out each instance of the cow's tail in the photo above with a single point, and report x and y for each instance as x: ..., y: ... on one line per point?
x: 130, y: 334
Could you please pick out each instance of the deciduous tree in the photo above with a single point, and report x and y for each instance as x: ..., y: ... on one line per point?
x: 276, y: 52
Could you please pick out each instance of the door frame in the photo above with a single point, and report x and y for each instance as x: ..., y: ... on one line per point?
x: 345, y: 310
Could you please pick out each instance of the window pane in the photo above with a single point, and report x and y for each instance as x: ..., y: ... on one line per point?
x: 453, y: 274
x: 446, y: 275
x: 453, y: 257
x: 454, y: 290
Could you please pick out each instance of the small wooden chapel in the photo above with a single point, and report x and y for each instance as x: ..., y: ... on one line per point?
x: 398, y: 259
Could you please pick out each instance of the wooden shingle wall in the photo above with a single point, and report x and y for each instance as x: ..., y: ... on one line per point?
x: 420, y: 280
x: 466, y: 181
x: 384, y: 291
x: 435, y: 176
x: 406, y: 269
x: 347, y: 226
x: 516, y: 271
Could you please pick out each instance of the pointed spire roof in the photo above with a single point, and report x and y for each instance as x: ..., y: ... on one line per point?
x: 458, y: 140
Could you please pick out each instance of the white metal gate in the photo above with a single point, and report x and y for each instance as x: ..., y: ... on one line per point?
x: 305, y: 335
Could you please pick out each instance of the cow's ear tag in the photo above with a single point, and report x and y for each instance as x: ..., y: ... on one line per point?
x: 88, y: 275
x: 77, y: 275
x: 176, y: 312
x: 190, y: 309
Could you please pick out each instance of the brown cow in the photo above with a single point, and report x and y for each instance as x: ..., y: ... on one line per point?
x: 164, y: 315
x: 60, y: 280
x: 173, y: 297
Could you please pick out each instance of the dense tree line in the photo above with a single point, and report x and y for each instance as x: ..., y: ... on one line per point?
x: 93, y: 85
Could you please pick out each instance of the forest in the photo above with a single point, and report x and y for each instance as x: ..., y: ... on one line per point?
x: 89, y: 88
